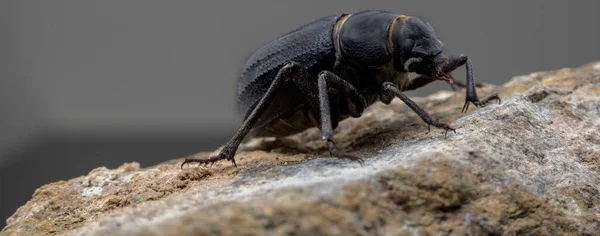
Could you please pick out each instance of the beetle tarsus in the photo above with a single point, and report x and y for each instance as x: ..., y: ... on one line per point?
x: 481, y: 103
x: 387, y: 86
x: 493, y: 96
x: 443, y: 126
x: 334, y: 152
x: 206, y: 161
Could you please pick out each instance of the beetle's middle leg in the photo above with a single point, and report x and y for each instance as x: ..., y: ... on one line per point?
x: 327, y: 78
x: 318, y: 96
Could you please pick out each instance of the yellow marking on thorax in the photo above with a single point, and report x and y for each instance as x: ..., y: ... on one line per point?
x: 391, y: 30
x: 338, y: 29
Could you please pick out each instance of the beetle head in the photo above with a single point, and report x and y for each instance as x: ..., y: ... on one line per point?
x: 417, y: 47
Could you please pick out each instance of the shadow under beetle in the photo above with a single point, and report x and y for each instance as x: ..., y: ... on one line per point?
x: 332, y: 69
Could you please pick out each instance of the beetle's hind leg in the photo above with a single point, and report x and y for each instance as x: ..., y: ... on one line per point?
x: 228, y: 152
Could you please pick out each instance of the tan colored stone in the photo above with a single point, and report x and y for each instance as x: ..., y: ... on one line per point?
x: 527, y: 166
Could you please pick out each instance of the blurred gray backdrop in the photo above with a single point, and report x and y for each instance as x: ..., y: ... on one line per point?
x: 98, y: 83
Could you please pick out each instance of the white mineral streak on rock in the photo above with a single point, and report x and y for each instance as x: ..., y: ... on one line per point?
x: 545, y: 141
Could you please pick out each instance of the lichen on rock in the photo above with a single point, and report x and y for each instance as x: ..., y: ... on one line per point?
x: 530, y: 165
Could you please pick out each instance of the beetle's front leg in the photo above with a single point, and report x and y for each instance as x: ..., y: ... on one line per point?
x: 423, y: 80
x: 452, y: 64
x: 457, y: 61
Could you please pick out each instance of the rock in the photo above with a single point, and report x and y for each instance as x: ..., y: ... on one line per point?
x: 530, y: 165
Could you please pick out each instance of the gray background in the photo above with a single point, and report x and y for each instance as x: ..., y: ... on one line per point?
x: 98, y: 83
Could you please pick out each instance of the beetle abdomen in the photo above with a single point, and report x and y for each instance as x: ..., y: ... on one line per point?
x: 307, y: 46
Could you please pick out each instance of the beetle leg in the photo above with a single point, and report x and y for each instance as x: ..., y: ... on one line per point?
x: 471, y: 91
x: 228, y: 152
x: 307, y: 85
x: 421, y: 81
x: 355, y: 102
x: 387, y: 86
x: 452, y: 64
x: 424, y: 80
x: 457, y: 61
x: 317, y: 94
x: 326, y: 128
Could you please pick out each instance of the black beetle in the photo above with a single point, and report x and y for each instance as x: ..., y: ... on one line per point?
x: 333, y: 68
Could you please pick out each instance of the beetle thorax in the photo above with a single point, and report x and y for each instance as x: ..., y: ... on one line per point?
x: 365, y: 52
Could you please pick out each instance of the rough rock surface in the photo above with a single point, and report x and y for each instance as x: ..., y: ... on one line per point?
x: 530, y: 165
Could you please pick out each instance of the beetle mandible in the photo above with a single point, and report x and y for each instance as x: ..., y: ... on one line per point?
x: 333, y: 68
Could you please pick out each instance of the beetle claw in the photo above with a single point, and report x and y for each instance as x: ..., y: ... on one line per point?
x: 206, y: 161
x: 494, y: 96
x: 444, y: 126
x: 482, y: 103
x: 334, y: 152
x: 446, y: 132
